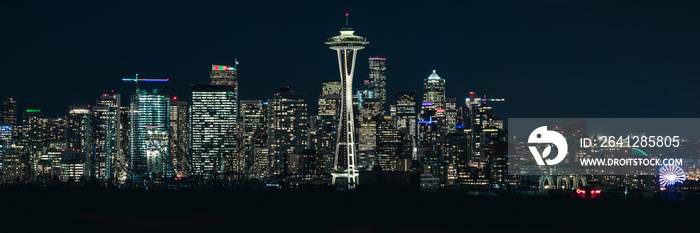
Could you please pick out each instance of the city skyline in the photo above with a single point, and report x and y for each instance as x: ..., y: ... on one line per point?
x: 353, y: 116
x: 615, y: 52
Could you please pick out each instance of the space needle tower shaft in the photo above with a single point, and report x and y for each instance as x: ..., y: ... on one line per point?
x: 346, y: 45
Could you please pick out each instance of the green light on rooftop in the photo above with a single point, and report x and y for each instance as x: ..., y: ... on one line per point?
x: 33, y: 110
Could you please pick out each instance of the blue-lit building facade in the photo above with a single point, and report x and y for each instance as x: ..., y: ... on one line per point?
x: 5, y: 142
x: 149, y: 139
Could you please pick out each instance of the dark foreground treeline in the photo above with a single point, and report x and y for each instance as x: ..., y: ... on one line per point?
x: 325, y: 210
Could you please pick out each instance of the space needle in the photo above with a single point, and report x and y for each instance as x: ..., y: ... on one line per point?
x: 346, y: 45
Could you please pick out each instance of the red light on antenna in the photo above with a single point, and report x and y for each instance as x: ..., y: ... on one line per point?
x: 346, y: 14
x: 174, y: 97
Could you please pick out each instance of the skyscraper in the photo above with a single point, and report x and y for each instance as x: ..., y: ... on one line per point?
x: 388, y: 143
x: 329, y: 101
x: 407, y: 111
x: 33, y: 129
x: 224, y: 75
x: 256, y: 157
x: 326, y: 127
x: 55, y: 130
x: 346, y: 45
x: 179, y: 136
x: 105, y: 135
x: 78, y: 131
x: 9, y: 111
x: 121, y: 168
x: 434, y: 92
x: 432, y: 115
x: 287, y: 129
x: 377, y: 80
x: 5, y: 145
x: 213, y: 130
x: 9, y: 117
x: 149, y: 141
x: 407, y: 122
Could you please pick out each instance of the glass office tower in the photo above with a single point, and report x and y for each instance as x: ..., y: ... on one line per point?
x: 150, y: 163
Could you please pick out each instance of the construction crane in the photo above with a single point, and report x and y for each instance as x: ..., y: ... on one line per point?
x: 472, y: 99
x: 136, y: 80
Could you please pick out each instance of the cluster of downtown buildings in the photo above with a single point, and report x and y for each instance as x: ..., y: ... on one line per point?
x: 157, y: 140
x: 425, y: 140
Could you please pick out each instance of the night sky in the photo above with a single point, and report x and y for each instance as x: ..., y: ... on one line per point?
x: 547, y: 58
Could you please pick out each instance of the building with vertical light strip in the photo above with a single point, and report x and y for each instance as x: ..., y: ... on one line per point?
x: 179, y: 112
x: 150, y: 164
x: 256, y: 158
x: 213, y: 130
x: 5, y: 145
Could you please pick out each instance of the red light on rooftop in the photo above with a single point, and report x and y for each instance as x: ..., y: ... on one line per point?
x: 174, y: 97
